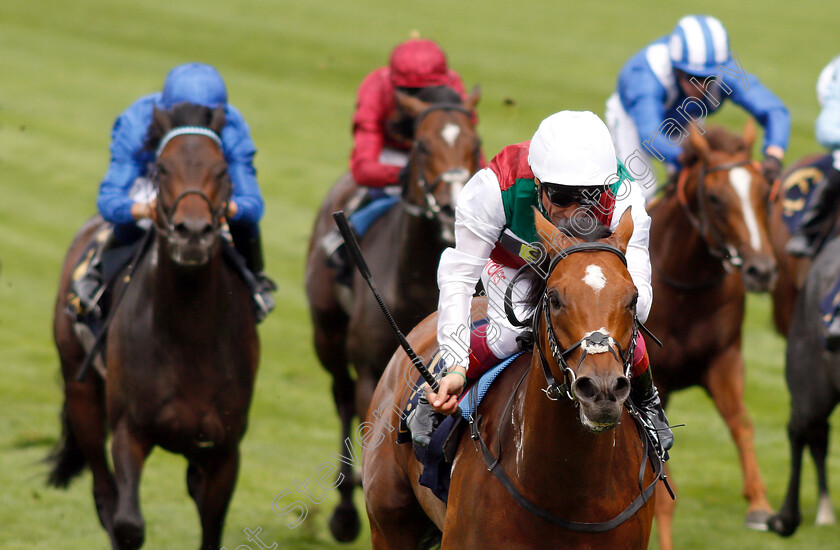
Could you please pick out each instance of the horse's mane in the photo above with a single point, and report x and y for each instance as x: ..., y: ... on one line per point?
x: 720, y: 139
x: 439, y: 94
x: 182, y: 114
x: 534, y: 276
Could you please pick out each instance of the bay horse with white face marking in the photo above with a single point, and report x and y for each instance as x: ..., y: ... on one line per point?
x: 181, y: 351
x: 403, y: 249
x: 578, y: 461
x: 708, y: 244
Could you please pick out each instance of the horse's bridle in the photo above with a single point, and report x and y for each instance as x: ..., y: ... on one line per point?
x: 164, y: 223
x: 716, y: 245
x: 598, y: 341
x: 432, y: 208
x: 593, y: 342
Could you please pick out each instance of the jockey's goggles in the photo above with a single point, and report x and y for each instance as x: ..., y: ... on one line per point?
x: 566, y: 195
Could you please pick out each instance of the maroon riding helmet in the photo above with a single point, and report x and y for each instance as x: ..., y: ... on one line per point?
x: 418, y: 63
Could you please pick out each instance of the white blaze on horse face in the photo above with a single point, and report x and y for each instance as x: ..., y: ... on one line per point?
x: 450, y: 133
x: 595, y: 278
x: 741, y: 179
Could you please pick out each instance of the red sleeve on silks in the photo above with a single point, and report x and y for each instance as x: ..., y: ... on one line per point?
x: 457, y: 84
x: 374, y: 103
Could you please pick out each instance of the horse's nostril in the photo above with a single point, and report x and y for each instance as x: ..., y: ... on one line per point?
x: 182, y: 231
x: 207, y: 232
x: 585, y: 389
x: 621, y: 388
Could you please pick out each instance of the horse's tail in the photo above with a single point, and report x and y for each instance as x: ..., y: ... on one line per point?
x: 66, y: 458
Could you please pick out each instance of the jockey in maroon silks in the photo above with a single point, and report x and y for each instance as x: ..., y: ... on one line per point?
x: 383, y: 133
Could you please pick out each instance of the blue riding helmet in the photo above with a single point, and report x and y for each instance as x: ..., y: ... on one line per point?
x: 698, y: 45
x: 194, y: 83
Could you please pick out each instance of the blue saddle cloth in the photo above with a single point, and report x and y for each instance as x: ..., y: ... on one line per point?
x: 363, y: 218
x: 436, y: 471
x: 798, y: 187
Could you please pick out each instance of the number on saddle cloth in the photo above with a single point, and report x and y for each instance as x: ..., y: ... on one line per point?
x: 798, y: 187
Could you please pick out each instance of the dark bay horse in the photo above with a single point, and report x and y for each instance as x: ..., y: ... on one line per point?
x: 804, y: 174
x: 813, y: 378
x: 403, y: 249
x: 182, y: 348
x: 709, y: 244
x: 581, y: 460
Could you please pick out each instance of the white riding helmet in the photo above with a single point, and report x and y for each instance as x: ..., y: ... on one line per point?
x: 698, y: 45
x: 573, y: 148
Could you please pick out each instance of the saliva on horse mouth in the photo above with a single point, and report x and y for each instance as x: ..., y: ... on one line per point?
x: 596, y: 427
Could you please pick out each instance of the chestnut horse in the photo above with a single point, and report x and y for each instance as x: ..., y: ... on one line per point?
x: 403, y: 249
x: 181, y: 351
x: 708, y: 244
x: 569, y: 460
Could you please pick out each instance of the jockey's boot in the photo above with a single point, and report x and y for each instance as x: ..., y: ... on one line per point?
x: 645, y: 396
x: 422, y: 421
x: 806, y: 241
x: 87, y: 283
x: 261, y: 286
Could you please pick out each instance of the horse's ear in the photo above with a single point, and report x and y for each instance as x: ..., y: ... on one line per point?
x: 553, y: 239
x: 749, y: 133
x: 161, y: 121
x: 217, y: 119
x: 473, y: 98
x: 411, y: 105
x: 699, y: 143
x: 621, y: 235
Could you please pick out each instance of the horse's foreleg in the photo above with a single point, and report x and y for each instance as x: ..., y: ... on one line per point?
x: 344, y: 523
x: 818, y: 444
x: 665, y: 509
x: 787, y: 520
x: 211, y: 483
x: 725, y: 384
x: 129, y: 452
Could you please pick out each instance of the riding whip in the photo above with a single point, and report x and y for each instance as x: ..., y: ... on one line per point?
x: 364, y: 270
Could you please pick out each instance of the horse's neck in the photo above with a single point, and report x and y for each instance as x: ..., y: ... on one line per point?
x: 555, y: 456
x: 420, y: 247
x: 677, y: 249
x: 188, y: 301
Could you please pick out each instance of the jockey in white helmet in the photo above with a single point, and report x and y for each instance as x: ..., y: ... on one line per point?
x: 569, y: 171
x: 672, y: 85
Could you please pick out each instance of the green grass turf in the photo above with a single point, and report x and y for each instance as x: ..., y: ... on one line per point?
x: 292, y: 68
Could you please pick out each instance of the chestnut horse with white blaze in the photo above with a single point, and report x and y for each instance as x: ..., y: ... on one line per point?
x: 708, y: 244
x: 570, y: 462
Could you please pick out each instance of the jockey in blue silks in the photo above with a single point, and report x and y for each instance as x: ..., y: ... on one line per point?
x: 127, y: 195
x: 806, y: 242
x: 672, y: 85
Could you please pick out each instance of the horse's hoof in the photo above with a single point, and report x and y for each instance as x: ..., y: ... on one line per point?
x: 757, y: 520
x: 781, y: 526
x: 344, y: 524
x: 128, y: 533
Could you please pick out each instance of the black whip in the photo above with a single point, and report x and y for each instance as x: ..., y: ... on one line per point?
x: 358, y: 259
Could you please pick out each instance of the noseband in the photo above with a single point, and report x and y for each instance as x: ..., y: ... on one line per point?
x: 165, y: 224
x: 432, y: 207
x: 700, y: 221
x: 594, y: 342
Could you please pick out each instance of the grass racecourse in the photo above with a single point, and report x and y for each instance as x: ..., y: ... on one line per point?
x: 67, y: 69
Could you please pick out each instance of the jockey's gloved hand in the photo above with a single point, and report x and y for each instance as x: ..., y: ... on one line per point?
x: 771, y: 167
x: 402, y: 178
x: 445, y: 401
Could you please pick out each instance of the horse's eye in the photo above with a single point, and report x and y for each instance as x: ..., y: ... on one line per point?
x: 161, y: 170
x: 633, y: 301
x: 554, y: 301
x: 423, y: 146
x: 715, y: 201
